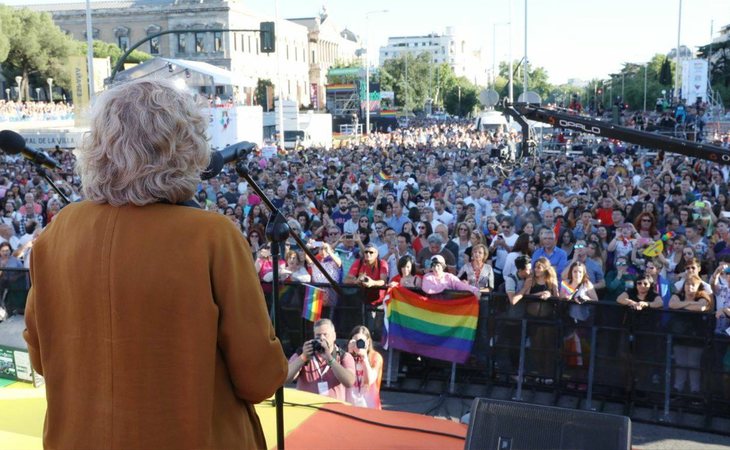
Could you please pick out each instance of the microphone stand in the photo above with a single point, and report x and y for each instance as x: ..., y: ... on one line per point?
x: 277, y: 231
x: 42, y: 172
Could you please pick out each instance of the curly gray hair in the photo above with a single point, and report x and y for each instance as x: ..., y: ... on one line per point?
x: 147, y: 143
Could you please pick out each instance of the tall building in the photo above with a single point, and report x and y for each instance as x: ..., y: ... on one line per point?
x: 299, y: 59
x: 457, y: 50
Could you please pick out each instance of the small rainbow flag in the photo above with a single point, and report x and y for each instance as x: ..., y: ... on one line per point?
x: 435, y: 327
x: 566, y: 290
x: 312, y: 304
x: 384, y: 176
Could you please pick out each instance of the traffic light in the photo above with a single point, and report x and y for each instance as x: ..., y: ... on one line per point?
x: 268, y: 37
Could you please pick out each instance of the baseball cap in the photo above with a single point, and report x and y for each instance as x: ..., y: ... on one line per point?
x: 438, y: 259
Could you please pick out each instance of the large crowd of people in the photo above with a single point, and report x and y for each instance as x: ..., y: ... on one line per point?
x: 14, y: 111
x: 432, y: 206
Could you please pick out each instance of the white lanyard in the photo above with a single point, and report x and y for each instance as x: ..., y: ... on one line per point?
x: 319, y: 369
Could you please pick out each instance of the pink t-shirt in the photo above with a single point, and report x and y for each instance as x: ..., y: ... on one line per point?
x: 433, y: 285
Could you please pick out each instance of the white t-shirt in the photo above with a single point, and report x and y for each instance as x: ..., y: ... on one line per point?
x: 445, y: 217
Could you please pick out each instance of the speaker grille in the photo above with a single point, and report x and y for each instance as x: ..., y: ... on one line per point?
x: 504, y: 425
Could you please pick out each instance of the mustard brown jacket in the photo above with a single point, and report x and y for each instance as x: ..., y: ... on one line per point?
x: 150, y: 327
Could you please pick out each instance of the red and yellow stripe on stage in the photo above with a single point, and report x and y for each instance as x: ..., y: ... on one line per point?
x: 435, y: 327
x: 23, y: 409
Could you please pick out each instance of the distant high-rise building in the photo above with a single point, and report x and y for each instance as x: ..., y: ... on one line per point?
x: 464, y: 58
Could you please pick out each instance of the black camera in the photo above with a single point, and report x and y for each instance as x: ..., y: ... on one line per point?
x: 360, y: 343
x: 317, y: 346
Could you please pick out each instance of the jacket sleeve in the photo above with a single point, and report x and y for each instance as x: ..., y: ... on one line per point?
x: 253, y: 354
x: 30, y: 334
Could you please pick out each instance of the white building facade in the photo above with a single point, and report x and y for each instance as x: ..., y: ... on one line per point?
x: 458, y: 51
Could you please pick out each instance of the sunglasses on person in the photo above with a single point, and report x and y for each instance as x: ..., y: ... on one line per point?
x: 369, y: 252
x: 577, y: 246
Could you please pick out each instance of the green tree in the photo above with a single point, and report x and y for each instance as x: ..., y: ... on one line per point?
x: 411, y: 78
x: 261, y: 92
x: 461, y: 98
x: 665, y: 73
x: 37, y: 47
x: 537, y: 79
x: 632, y: 78
x: 9, y: 25
x: 113, y: 52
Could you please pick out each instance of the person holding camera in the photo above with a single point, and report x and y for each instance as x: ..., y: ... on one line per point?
x: 320, y: 366
x: 369, y: 271
x: 368, y: 369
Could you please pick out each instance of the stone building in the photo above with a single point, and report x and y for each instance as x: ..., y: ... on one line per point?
x: 305, y: 48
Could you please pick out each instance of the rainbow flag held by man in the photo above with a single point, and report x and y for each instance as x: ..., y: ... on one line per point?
x: 437, y: 327
x: 312, y: 304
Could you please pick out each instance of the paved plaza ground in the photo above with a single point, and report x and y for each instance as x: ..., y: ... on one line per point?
x: 644, y: 436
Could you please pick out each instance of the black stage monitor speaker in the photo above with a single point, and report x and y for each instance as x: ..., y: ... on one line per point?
x: 505, y: 425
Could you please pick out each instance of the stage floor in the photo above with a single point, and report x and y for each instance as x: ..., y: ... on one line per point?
x: 311, y: 421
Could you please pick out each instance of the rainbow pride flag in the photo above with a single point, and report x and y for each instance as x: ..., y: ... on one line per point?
x: 566, y: 290
x: 312, y: 303
x: 384, y: 176
x: 435, y: 327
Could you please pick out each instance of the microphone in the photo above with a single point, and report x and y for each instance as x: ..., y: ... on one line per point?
x: 12, y: 143
x: 220, y: 158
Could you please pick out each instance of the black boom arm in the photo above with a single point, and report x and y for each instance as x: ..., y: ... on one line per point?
x: 595, y: 127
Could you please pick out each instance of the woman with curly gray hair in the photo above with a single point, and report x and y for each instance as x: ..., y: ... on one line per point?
x: 158, y: 303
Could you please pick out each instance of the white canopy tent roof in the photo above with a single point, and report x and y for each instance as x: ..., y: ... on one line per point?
x: 198, y: 73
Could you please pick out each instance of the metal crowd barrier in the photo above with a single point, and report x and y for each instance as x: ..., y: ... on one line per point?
x: 14, y: 286
x: 616, y: 355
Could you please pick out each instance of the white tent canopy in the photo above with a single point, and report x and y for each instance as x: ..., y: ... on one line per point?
x: 199, y: 73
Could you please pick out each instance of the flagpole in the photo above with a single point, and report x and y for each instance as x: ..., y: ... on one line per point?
x: 89, y: 50
x: 676, y: 64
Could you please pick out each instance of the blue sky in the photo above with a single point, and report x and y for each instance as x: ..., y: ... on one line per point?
x: 570, y: 38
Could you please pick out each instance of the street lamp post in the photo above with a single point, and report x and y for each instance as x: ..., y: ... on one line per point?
x: 524, y: 73
x: 646, y: 67
x: 676, y: 64
x: 37, y: 94
x: 19, y: 80
x: 367, y: 67
x: 509, y: 45
x: 50, y: 89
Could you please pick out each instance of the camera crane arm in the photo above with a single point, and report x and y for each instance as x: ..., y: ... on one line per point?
x: 582, y: 124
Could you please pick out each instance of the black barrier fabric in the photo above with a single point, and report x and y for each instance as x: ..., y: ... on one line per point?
x: 667, y: 360
x: 14, y: 285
